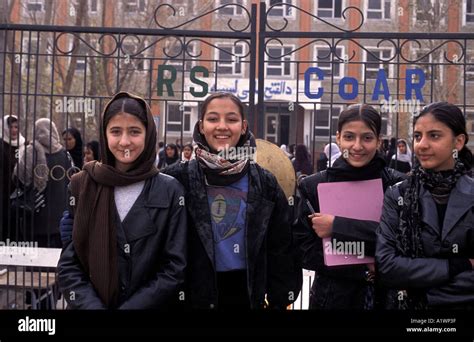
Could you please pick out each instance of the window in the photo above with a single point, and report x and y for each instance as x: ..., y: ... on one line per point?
x: 323, y: 115
x: 279, y: 63
x: 378, y: 9
x: 178, y: 113
x: 30, y: 50
x: 426, y: 63
x: 131, y: 60
x: 280, y: 11
x: 468, y: 7
x: 93, y: 6
x: 375, y: 61
x: 231, y: 10
x: 323, y: 61
x: 34, y: 5
x: 81, y: 60
x: 229, y: 64
x: 329, y: 8
x: 384, y: 129
x: 131, y: 6
x: 174, y: 49
x: 423, y: 10
x: 470, y: 69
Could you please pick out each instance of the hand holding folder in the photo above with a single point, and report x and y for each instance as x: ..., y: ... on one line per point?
x: 361, y: 200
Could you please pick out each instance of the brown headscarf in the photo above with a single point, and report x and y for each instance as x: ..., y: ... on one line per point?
x: 94, y: 232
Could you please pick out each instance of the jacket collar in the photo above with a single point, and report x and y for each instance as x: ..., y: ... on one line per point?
x: 460, y: 200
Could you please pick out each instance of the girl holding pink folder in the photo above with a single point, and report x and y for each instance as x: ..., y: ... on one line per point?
x: 425, y: 244
x: 351, y: 286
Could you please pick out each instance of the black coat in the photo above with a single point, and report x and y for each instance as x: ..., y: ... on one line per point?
x: 272, y: 268
x: 454, y: 239
x: 337, y: 287
x: 151, y: 273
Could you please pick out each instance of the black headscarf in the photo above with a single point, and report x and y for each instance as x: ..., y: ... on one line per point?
x: 76, y: 152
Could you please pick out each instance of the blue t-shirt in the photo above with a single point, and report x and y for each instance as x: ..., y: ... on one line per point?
x: 228, y: 206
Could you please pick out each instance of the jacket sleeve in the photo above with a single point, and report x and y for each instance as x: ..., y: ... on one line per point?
x: 399, y: 271
x: 160, y: 291
x: 459, y: 290
x: 74, y: 284
x: 285, y: 275
x: 305, y: 238
x: 347, y: 229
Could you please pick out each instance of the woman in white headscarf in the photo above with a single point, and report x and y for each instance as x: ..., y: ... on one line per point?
x: 10, y: 142
x: 45, y: 165
x: 333, y: 154
x: 401, y: 161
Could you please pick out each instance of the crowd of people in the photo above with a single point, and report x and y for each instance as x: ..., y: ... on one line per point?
x: 180, y: 226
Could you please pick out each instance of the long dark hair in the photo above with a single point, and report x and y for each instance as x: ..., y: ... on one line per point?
x: 76, y: 152
x: 361, y: 112
x: 451, y: 116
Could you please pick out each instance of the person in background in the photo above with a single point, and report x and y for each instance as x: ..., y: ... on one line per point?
x: 128, y: 248
x: 91, y: 151
x: 332, y: 152
x: 188, y: 152
x: 11, y: 142
x: 402, y: 160
x: 161, y: 153
x: 392, y: 149
x: 73, y: 142
x: 425, y: 242
x: 171, y: 156
x: 302, y: 161
x: 45, y: 165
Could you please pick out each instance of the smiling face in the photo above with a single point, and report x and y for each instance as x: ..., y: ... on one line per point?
x: 358, y: 143
x: 222, y: 124
x: 126, y: 139
x: 434, y: 143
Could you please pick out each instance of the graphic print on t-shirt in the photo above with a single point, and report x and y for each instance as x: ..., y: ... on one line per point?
x: 228, y: 206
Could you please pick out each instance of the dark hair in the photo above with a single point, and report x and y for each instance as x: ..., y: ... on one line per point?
x: 161, y: 144
x: 364, y: 113
x: 126, y: 105
x: 93, y: 145
x: 451, y: 116
x: 10, y: 120
x: 229, y: 96
x: 302, y: 160
x: 188, y: 145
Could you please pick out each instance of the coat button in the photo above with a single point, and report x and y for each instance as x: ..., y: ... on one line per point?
x: 211, y: 306
x: 446, y: 244
x: 122, y: 288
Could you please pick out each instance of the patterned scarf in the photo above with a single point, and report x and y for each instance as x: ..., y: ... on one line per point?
x: 219, y: 170
x: 409, y: 242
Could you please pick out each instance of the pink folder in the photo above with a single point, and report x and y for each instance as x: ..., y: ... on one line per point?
x: 362, y: 200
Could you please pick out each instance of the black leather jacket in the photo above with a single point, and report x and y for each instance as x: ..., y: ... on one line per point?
x: 454, y: 239
x: 154, y: 235
x: 272, y: 268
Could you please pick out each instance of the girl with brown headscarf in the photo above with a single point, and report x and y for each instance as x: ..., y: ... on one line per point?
x: 129, y: 234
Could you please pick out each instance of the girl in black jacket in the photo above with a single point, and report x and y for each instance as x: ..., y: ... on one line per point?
x: 240, y: 254
x: 425, y: 244
x: 344, y: 287
x: 128, y: 248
